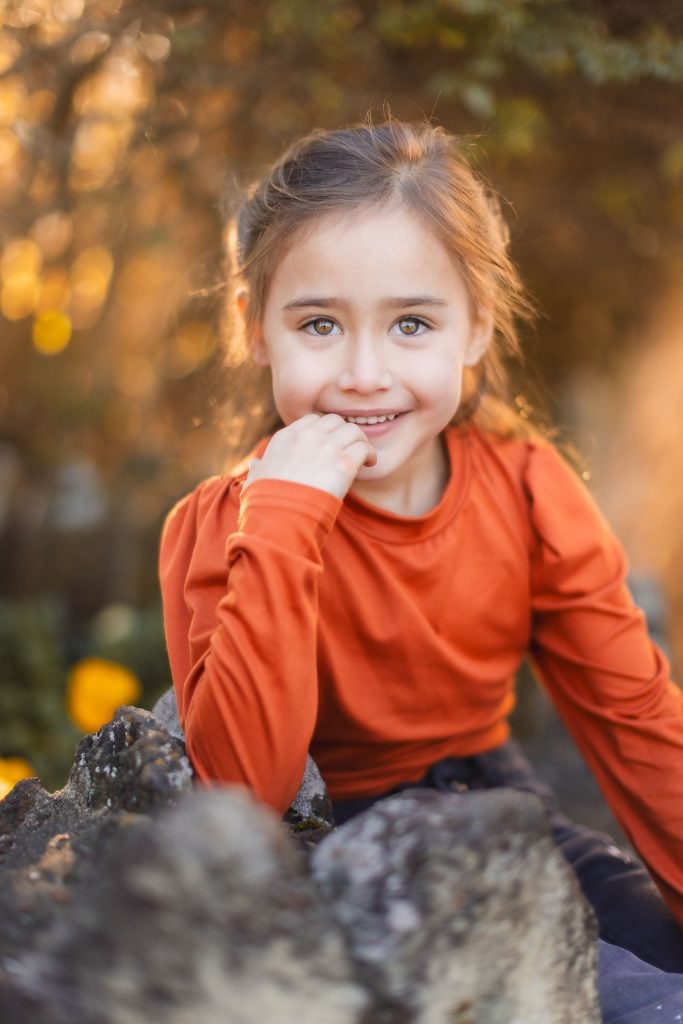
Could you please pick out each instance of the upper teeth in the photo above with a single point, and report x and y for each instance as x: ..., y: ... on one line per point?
x: 371, y: 419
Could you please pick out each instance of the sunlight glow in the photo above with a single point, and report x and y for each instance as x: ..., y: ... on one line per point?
x: 51, y: 332
x: 10, y: 51
x: 53, y: 232
x: 20, y: 265
x: 90, y: 277
x: 55, y: 291
x: 190, y: 347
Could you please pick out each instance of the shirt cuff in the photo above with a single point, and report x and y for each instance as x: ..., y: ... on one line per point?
x: 288, y: 513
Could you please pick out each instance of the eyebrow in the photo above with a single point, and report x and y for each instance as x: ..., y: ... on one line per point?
x: 334, y: 302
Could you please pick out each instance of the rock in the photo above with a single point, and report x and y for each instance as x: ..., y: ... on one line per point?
x: 459, y: 909
x: 131, y: 764
x: 166, y: 712
x: 204, y: 914
x: 130, y: 897
x: 48, y: 842
x: 311, y: 815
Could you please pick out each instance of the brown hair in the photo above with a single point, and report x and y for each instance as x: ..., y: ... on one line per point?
x: 417, y: 166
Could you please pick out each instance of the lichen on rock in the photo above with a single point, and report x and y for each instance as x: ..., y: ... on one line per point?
x: 131, y: 896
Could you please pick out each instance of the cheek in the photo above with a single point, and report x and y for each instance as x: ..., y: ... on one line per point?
x: 294, y: 388
x: 439, y: 382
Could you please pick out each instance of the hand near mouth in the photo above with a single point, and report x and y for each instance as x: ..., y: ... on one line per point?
x: 320, y: 451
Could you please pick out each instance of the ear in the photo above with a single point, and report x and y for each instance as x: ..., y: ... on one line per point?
x: 258, y: 348
x: 254, y: 337
x: 481, y: 335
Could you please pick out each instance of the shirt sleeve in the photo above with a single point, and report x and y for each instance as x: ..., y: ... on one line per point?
x: 239, y: 571
x: 610, y: 682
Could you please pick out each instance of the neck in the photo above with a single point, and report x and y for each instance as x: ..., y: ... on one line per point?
x: 414, y: 495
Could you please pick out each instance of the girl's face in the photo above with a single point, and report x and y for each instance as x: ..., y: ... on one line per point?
x: 368, y: 316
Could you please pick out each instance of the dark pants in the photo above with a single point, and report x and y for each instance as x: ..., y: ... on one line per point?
x: 630, y: 911
x: 634, y: 992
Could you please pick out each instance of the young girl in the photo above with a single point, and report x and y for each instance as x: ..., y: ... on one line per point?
x: 402, y: 538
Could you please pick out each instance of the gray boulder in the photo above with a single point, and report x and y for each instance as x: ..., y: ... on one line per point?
x: 459, y: 909
x: 310, y: 816
x: 49, y: 841
x: 130, y: 897
x: 204, y: 914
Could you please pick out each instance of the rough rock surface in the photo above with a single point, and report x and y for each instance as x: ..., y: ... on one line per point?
x: 131, y: 764
x: 459, y: 909
x: 204, y: 914
x: 128, y: 897
x: 48, y: 842
x: 166, y: 711
x: 311, y: 814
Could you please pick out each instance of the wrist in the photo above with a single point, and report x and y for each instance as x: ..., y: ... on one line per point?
x: 284, y: 511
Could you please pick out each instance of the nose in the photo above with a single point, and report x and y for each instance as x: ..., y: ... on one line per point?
x: 365, y: 368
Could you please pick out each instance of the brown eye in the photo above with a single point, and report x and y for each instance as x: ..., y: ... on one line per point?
x: 410, y: 325
x: 321, y: 326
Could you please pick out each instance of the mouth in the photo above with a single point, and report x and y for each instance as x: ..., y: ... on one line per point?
x: 369, y: 419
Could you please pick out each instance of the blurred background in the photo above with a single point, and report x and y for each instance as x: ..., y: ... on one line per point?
x: 124, y: 124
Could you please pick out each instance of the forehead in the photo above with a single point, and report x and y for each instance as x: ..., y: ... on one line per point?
x: 366, y: 248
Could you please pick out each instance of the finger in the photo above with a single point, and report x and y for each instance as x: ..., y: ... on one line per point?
x: 346, y: 434
x: 362, y: 453
x: 330, y: 421
x: 304, y: 421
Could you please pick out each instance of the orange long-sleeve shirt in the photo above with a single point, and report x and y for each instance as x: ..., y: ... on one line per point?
x: 299, y: 622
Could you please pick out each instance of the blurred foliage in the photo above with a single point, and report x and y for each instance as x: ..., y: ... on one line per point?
x: 123, y: 126
x: 48, y: 699
x: 133, y: 637
x: 33, y: 721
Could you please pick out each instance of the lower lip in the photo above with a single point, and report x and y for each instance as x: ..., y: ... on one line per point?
x: 377, y: 429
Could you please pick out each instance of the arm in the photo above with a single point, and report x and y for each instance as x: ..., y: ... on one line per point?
x: 239, y: 568
x: 610, y: 683
x: 240, y: 590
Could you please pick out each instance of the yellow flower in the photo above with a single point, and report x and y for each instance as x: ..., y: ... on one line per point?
x: 95, y: 689
x: 12, y: 769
